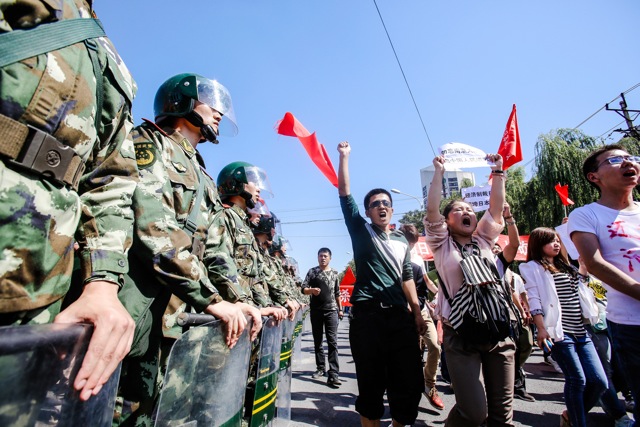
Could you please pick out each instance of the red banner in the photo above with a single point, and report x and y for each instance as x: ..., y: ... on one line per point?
x: 346, y: 287
x: 422, y: 249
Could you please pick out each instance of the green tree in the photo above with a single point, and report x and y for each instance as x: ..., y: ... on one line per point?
x: 415, y: 218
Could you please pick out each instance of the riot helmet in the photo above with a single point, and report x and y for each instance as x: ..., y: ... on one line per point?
x: 233, y: 177
x: 177, y: 97
x: 279, y: 244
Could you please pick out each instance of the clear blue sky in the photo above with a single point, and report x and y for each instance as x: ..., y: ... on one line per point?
x: 330, y: 64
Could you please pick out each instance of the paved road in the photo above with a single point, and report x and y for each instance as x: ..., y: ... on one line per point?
x: 313, y: 403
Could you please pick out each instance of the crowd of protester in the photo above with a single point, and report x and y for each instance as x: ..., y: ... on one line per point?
x: 122, y: 227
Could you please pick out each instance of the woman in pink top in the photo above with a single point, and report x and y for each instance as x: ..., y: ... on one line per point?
x: 448, y: 234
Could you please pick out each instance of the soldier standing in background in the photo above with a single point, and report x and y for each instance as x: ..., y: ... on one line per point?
x: 67, y: 168
x: 173, y: 204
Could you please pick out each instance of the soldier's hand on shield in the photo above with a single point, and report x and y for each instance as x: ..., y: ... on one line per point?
x: 112, y: 334
x: 293, y: 308
x: 232, y: 317
x: 254, y: 314
x: 276, y: 312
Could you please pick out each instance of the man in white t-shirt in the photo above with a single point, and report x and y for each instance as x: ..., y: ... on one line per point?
x: 607, y: 236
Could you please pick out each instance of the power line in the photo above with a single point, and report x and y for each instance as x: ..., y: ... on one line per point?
x: 405, y: 78
x: 605, y: 106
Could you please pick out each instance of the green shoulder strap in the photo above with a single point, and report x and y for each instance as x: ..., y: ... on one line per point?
x: 191, y: 224
x: 22, y: 44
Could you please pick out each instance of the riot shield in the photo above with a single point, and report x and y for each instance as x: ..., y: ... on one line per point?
x: 263, y: 406
x: 205, y: 380
x: 38, y: 365
x: 283, y: 400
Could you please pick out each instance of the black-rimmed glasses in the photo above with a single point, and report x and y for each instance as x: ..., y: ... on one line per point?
x: 617, y: 160
x: 376, y: 203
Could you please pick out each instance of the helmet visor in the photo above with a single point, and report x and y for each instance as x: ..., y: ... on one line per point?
x: 216, y: 96
x: 259, y: 177
x: 260, y: 208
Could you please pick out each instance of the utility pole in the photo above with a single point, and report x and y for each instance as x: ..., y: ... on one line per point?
x: 624, y: 113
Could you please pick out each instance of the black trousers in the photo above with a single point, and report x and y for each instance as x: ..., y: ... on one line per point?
x: 321, y: 321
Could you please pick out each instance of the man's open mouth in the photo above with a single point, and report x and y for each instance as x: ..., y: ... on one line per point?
x: 630, y: 172
x: 466, y: 221
x: 383, y: 214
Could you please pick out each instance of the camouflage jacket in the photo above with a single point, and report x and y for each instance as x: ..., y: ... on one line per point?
x: 164, y: 260
x: 231, y: 255
x: 56, y: 93
x: 272, y: 279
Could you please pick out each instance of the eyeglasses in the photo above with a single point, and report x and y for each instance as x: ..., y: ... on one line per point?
x: 617, y: 160
x: 375, y: 204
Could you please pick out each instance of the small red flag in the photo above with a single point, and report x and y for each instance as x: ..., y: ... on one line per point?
x: 563, y: 192
x: 510, y: 149
x: 349, y: 278
x: 290, y: 126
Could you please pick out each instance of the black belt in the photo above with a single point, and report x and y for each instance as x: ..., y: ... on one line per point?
x: 377, y: 305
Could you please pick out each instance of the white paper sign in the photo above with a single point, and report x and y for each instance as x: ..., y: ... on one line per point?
x: 477, y: 197
x: 458, y: 155
x: 566, y: 241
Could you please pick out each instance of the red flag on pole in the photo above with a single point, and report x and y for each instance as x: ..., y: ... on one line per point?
x: 349, y: 278
x: 290, y: 126
x: 563, y: 192
x: 510, y: 149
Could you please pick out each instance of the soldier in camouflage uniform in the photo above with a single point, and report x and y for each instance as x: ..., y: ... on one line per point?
x: 278, y: 251
x: 263, y: 227
x: 173, y: 204
x: 67, y: 170
x: 232, y: 253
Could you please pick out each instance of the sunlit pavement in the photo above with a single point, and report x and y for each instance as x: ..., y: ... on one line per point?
x: 313, y: 403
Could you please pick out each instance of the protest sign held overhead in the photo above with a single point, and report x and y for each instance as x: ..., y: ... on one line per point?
x: 458, y: 155
x: 477, y: 197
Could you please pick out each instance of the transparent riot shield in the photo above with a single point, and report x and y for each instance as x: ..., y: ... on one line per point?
x: 283, y: 400
x: 297, y: 331
x: 38, y: 365
x: 263, y: 407
x: 205, y: 381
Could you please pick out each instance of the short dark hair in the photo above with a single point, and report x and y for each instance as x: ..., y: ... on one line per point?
x: 374, y: 192
x: 324, y: 250
x: 591, y: 162
x: 410, y: 233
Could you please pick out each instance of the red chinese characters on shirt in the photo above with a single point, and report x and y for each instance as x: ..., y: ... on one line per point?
x: 617, y: 229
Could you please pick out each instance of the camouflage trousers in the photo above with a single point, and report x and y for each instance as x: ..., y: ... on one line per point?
x: 139, y: 388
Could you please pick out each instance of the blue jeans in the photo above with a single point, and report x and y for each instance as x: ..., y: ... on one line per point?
x: 585, y: 379
x: 626, y: 345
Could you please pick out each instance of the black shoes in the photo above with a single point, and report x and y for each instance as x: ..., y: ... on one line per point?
x: 334, y: 382
x: 522, y: 394
x: 318, y: 374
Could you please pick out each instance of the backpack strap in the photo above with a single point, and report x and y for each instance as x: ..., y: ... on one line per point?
x: 22, y: 44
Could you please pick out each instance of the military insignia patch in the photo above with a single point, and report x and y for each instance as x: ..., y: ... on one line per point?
x: 186, y: 145
x: 146, y: 154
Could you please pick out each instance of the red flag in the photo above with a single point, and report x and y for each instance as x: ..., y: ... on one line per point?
x: 563, y: 192
x: 349, y: 278
x: 510, y: 149
x: 290, y: 126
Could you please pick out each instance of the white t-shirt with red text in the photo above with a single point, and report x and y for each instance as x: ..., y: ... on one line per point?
x: 618, y: 233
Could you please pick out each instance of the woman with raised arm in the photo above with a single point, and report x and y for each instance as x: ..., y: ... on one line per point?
x: 456, y: 236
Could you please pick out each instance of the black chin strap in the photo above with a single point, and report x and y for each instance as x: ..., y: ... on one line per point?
x: 206, y: 131
x: 248, y: 199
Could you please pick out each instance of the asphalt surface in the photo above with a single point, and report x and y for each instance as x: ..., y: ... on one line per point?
x: 313, y: 403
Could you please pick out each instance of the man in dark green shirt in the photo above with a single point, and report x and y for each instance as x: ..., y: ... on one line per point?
x: 386, y: 318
